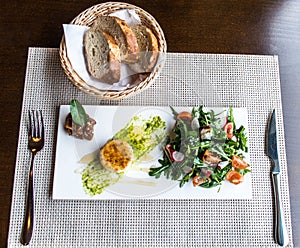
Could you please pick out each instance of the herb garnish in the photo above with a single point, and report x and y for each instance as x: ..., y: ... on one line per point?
x: 78, y: 113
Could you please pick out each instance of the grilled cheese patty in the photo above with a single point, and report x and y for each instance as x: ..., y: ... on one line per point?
x: 116, y: 155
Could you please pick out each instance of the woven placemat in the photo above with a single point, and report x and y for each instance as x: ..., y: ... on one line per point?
x: 187, y: 79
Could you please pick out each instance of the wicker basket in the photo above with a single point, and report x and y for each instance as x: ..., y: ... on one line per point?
x: 86, y: 18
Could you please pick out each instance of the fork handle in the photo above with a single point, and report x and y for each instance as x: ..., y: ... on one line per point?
x: 27, y: 228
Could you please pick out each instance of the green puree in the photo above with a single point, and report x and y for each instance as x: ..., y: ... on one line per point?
x: 95, y: 178
x: 142, y: 134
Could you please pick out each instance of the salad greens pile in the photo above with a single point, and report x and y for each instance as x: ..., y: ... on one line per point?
x: 205, y: 148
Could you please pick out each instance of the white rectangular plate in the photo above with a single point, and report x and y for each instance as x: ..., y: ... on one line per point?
x: 67, y: 182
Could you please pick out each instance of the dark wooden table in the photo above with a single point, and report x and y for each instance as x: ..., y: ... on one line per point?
x: 208, y: 26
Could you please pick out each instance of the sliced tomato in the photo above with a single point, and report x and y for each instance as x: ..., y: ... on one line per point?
x: 234, y: 177
x: 185, y: 116
x: 229, y: 129
x: 238, y: 162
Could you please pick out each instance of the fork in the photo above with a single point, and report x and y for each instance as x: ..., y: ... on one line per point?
x: 35, y: 144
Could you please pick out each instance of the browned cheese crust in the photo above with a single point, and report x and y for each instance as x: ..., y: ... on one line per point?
x: 116, y: 155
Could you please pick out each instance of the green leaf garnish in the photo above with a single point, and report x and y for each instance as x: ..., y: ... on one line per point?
x: 78, y: 113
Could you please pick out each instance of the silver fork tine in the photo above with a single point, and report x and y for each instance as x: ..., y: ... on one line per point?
x: 42, y: 132
x: 32, y: 124
x: 36, y: 124
x: 36, y: 127
x: 30, y: 130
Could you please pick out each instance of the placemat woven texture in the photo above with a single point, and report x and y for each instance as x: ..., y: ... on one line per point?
x: 187, y: 80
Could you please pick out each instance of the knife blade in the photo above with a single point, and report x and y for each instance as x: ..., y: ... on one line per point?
x: 280, y: 231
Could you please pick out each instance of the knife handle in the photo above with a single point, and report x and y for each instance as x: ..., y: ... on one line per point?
x: 281, y: 234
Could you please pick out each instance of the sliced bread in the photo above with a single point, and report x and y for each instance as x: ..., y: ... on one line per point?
x: 102, y: 55
x: 123, y: 35
x: 148, y: 47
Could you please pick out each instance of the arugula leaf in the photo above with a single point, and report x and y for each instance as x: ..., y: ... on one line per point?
x: 78, y: 113
x: 174, y: 112
x: 242, y: 138
x: 203, y: 117
x: 244, y: 171
x: 230, y: 115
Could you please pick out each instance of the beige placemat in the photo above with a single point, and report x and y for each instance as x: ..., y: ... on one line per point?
x: 187, y: 79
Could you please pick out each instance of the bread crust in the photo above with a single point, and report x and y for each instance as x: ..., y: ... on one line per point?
x: 114, y: 72
x: 149, y: 54
x: 153, y: 56
x: 132, y: 45
x: 116, y: 155
x: 108, y: 69
x: 123, y: 35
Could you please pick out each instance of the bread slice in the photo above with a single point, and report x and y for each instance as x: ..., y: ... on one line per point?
x: 123, y: 35
x: 116, y: 155
x: 148, y: 47
x: 102, y: 56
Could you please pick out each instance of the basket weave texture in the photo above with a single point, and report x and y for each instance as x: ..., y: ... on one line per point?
x: 87, y: 18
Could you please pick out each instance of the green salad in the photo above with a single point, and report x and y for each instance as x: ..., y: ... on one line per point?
x: 205, y: 148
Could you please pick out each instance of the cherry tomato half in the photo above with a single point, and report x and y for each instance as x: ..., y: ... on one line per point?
x: 234, y: 177
x: 238, y: 162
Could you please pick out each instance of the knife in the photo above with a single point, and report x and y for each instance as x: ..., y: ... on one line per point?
x: 281, y: 234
